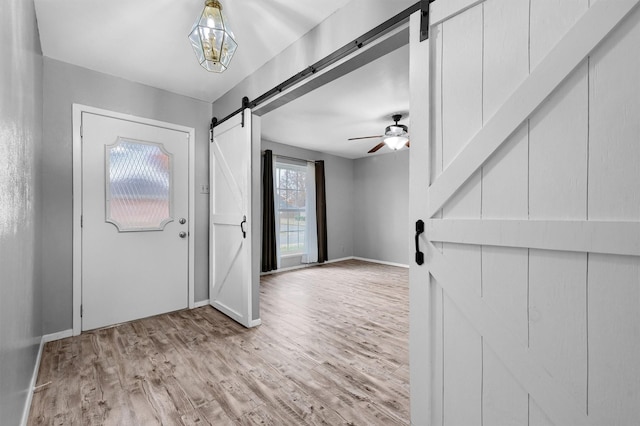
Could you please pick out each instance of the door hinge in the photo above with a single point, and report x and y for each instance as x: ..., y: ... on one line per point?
x: 81, y: 131
x: 81, y: 311
x: 81, y: 221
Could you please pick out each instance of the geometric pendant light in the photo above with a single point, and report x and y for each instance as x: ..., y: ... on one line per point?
x: 212, y: 38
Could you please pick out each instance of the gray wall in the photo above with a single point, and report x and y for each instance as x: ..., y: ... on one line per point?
x: 20, y: 205
x: 367, y: 204
x: 65, y: 84
x: 382, y: 207
x: 340, y: 194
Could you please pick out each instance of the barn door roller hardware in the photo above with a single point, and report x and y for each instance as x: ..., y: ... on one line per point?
x: 214, y: 121
x: 424, y: 19
x: 365, y: 39
x: 245, y: 105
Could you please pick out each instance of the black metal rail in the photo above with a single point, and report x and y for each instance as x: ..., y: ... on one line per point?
x: 344, y: 51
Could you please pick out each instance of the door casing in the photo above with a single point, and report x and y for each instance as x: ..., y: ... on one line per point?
x: 77, y: 110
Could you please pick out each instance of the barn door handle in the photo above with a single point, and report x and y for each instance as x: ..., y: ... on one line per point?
x: 419, y: 230
x: 244, y: 220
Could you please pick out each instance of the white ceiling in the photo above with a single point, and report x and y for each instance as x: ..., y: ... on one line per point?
x: 146, y: 41
x: 360, y: 103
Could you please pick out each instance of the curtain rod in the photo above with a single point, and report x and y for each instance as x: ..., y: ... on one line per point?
x: 334, y: 57
x: 294, y: 158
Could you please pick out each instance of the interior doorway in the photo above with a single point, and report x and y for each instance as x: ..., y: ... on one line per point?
x: 367, y: 193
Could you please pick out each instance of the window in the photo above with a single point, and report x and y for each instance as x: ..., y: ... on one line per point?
x: 138, y: 185
x: 291, y: 195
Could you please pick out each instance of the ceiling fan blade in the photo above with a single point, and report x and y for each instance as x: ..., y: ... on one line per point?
x: 408, y: 144
x: 375, y: 148
x: 364, y: 137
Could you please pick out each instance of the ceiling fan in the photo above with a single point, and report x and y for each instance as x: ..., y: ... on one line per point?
x: 395, y: 136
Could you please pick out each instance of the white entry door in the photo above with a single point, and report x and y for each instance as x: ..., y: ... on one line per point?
x: 135, y: 192
x: 231, y: 283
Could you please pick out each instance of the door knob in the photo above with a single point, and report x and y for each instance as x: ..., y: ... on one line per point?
x: 182, y: 234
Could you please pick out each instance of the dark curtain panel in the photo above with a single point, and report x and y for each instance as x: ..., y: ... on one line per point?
x: 269, y: 255
x: 321, y: 213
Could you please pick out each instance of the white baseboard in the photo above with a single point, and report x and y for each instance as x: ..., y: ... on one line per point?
x: 32, y: 385
x: 290, y: 268
x: 36, y: 368
x: 201, y: 303
x: 57, y: 336
x: 342, y: 259
x: 382, y: 262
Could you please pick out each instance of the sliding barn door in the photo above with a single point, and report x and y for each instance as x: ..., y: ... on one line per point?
x: 233, y: 287
x: 528, y: 304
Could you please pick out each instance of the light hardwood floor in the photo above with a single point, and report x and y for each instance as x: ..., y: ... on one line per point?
x: 332, y: 349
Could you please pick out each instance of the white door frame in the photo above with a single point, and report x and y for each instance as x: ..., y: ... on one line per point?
x: 420, y: 310
x: 77, y: 111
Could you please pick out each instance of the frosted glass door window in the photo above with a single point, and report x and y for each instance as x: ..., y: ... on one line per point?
x: 138, y: 192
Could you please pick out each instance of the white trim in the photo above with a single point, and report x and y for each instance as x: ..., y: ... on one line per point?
x: 342, y: 259
x: 255, y: 322
x: 76, y: 120
x: 305, y: 265
x: 422, y: 333
x: 36, y: 369
x: 381, y: 262
x: 290, y: 268
x: 201, y: 303
x: 57, y: 336
x: 584, y: 36
x: 77, y: 110
x: 32, y: 385
x: 566, y: 235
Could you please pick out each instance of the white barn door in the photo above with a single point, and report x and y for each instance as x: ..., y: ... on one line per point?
x: 525, y: 122
x: 232, y: 288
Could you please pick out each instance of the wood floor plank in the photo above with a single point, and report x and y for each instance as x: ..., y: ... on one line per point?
x: 332, y: 350
x: 210, y: 413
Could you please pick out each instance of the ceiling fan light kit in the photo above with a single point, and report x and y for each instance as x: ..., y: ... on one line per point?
x: 212, y: 39
x: 396, y: 136
x: 396, y: 142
